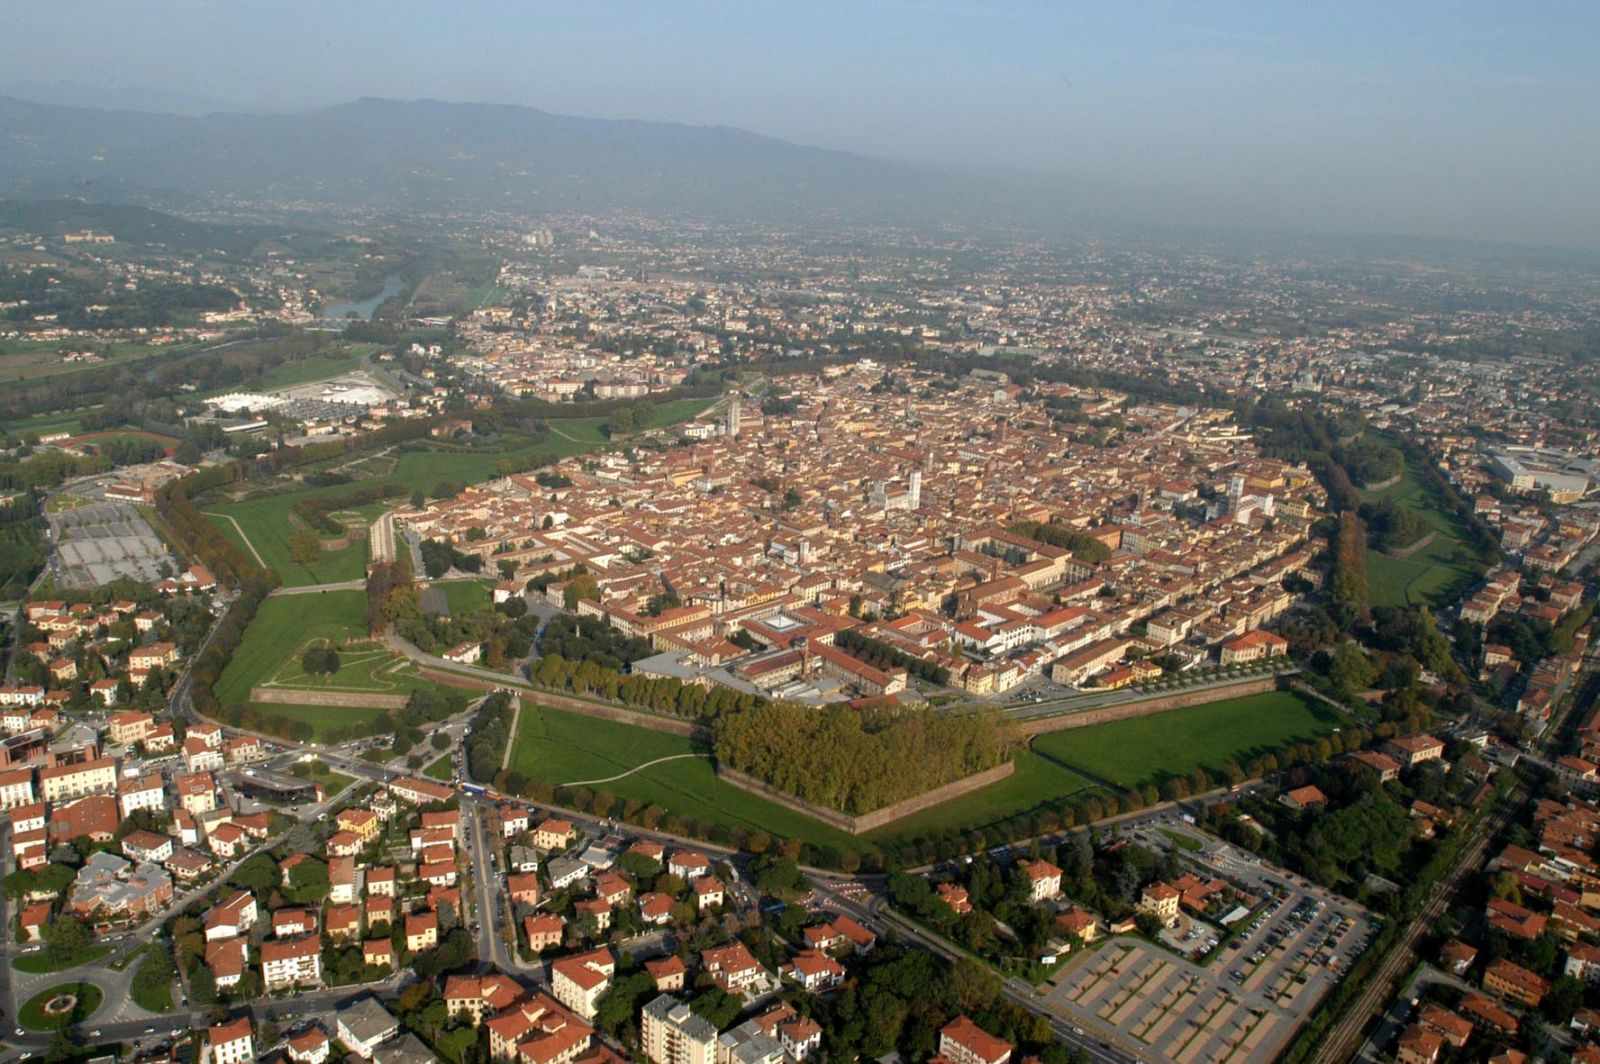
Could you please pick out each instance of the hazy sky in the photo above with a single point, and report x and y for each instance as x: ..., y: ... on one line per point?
x: 1464, y: 118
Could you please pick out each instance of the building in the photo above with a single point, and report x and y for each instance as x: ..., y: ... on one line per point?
x: 732, y: 967
x: 1419, y: 1045
x: 1256, y: 645
x: 963, y: 1042
x: 231, y: 1043
x: 580, y: 981
x: 364, y: 1025
x: 1161, y: 901
x: 290, y: 962
x: 1516, y: 983
x: 1044, y: 879
x: 70, y: 781
x: 671, y: 1033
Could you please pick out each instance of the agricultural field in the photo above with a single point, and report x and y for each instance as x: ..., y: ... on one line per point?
x: 1141, y: 750
x: 31, y: 360
x: 1436, y: 575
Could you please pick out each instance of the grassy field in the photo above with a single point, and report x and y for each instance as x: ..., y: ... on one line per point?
x: 282, y: 626
x: 323, y: 719
x: 266, y: 523
x: 318, y: 772
x: 1436, y: 575
x: 1036, y: 782
x: 465, y: 596
x: 567, y: 747
x: 32, y: 1015
x: 441, y: 769
x: 36, y: 963
x: 50, y: 424
x: 1143, y: 750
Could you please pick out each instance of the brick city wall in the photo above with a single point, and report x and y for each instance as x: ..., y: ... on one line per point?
x: 343, y: 699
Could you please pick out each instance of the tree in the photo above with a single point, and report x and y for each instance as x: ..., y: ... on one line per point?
x: 65, y: 938
x: 320, y: 659
x: 304, y: 546
x: 187, y: 453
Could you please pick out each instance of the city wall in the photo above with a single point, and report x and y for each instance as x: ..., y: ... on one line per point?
x: 343, y: 699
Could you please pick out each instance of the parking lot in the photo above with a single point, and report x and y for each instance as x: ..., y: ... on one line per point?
x: 1245, y: 1002
x: 102, y: 542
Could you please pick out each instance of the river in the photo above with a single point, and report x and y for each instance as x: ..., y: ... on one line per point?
x: 363, y: 309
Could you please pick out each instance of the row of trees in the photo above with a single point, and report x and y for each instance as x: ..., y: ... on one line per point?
x: 1348, y: 595
x: 1085, y: 548
x: 881, y: 655
x: 659, y: 694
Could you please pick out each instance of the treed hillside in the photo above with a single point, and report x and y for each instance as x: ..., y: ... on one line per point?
x: 426, y: 154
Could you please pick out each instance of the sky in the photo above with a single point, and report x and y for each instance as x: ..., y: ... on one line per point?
x: 1466, y: 119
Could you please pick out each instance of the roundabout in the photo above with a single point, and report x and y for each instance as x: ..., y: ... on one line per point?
x: 60, y: 1006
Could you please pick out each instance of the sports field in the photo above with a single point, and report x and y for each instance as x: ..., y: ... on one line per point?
x: 1140, y: 750
x: 1434, y: 576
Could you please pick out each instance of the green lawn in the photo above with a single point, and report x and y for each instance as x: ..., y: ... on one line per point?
x: 440, y: 769
x: 318, y: 772
x: 1149, y: 749
x: 1436, y: 575
x: 266, y: 522
x: 466, y: 596
x: 323, y: 719
x: 37, y: 963
x: 363, y: 667
x: 282, y: 626
x: 32, y: 1015
x: 1036, y: 782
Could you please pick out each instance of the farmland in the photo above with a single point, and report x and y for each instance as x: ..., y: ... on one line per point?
x: 1142, y: 750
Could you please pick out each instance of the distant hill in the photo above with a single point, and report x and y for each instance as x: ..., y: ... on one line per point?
x: 426, y: 154
x: 132, y: 225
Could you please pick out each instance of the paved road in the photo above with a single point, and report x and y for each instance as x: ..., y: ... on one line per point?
x: 877, y: 915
